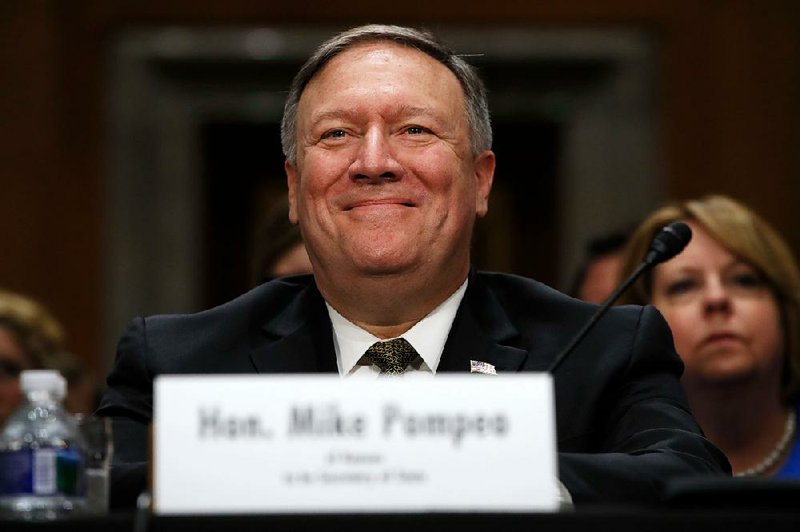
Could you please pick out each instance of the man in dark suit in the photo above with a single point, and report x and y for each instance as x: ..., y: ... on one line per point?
x: 387, y: 142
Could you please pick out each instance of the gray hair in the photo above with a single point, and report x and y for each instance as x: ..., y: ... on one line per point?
x: 477, y: 108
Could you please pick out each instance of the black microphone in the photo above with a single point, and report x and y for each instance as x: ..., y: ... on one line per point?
x: 667, y: 243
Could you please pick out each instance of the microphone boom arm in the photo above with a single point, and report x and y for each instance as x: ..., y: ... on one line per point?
x: 597, y: 315
x: 670, y: 241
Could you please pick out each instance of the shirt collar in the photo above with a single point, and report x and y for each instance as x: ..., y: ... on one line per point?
x: 427, y: 336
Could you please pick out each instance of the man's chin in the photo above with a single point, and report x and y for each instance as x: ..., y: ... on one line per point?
x: 384, y: 265
x: 384, y: 270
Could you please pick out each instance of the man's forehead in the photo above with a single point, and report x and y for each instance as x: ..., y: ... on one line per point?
x: 381, y: 52
x: 374, y: 48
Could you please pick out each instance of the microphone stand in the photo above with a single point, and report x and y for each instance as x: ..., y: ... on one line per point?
x: 644, y: 266
x: 666, y: 244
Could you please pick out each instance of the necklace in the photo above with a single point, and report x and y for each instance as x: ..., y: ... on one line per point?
x: 772, y: 458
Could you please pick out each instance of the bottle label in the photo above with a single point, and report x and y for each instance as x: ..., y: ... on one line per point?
x: 41, y: 472
x: 44, y: 471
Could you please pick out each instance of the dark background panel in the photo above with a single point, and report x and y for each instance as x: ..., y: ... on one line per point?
x: 729, y: 86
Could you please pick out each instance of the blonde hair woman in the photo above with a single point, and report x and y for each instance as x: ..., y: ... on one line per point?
x: 732, y: 300
x: 32, y: 338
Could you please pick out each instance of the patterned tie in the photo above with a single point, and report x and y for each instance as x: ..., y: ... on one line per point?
x: 392, y: 356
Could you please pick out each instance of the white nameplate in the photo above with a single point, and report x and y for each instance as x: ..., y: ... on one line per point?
x: 288, y: 444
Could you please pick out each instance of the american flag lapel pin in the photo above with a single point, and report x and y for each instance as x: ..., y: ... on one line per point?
x: 476, y: 366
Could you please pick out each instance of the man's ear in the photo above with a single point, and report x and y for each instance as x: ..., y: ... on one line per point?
x: 484, y: 176
x: 291, y: 183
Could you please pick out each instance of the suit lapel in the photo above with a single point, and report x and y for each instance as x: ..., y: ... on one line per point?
x: 300, y: 339
x: 482, y: 332
x: 297, y: 340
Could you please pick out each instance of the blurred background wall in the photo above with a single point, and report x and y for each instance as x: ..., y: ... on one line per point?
x: 139, y: 145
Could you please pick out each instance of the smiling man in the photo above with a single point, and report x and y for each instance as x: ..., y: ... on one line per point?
x: 387, y: 141
x: 386, y: 184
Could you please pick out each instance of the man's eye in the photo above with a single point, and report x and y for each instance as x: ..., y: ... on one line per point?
x: 416, y: 130
x: 334, y: 134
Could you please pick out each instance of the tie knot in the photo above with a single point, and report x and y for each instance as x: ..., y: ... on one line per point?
x: 391, y: 356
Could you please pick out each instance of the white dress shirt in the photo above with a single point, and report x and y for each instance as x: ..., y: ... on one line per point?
x: 427, y: 336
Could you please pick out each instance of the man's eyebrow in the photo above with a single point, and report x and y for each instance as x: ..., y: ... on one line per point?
x: 415, y: 110
x: 329, y: 115
x: 402, y: 110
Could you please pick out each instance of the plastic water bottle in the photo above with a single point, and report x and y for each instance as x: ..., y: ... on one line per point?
x: 41, y: 454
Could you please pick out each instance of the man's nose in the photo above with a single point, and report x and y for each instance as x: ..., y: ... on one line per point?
x: 375, y: 161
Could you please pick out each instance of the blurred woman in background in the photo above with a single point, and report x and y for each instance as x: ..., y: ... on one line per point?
x: 732, y: 300
x: 278, y: 247
x: 32, y: 338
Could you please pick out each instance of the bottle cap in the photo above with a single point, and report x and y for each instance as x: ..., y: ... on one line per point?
x: 48, y: 380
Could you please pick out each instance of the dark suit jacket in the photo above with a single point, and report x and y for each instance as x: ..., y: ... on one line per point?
x: 624, y: 428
